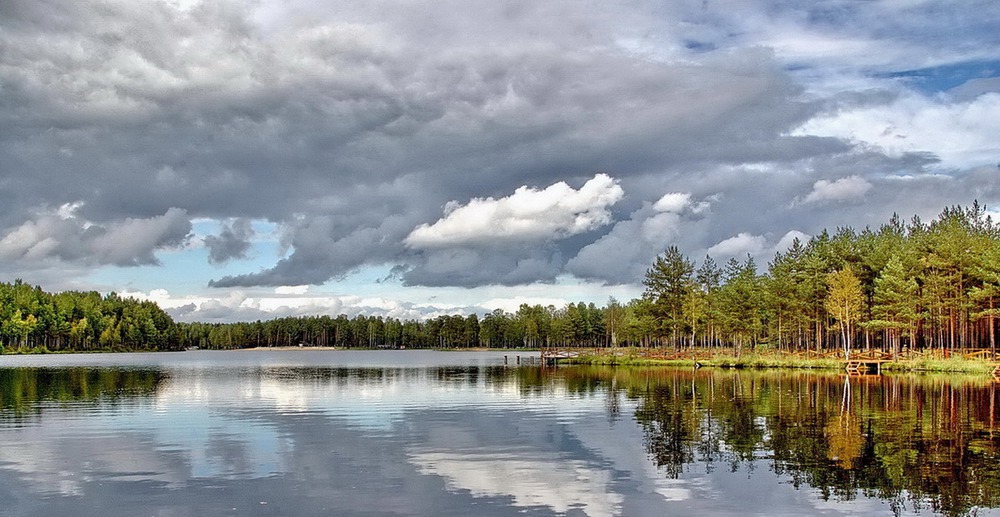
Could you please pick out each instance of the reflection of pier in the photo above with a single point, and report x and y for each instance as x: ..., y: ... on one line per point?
x: 518, y: 361
x: 867, y: 362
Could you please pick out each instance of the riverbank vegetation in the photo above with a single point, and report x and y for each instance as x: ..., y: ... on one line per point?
x: 904, y: 286
x: 927, y: 361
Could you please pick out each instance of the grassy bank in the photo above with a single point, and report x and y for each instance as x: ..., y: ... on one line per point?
x: 775, y: 360
x: 41, y: 350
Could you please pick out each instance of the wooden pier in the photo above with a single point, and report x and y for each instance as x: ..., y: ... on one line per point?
x: 868, y: 362
x: 863, y: 367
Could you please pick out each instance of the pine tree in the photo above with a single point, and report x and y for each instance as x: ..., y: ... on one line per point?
x: 667, y: 284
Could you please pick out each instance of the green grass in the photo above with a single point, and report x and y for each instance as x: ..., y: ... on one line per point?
x: 748, y: 360
x: 956, y: 365
x: 771, y: 360
x: 25, y: 350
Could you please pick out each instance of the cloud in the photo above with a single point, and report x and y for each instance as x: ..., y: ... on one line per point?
x: 324, y: 249
x: 292, y: 289
x: 233, y: 242
x: 350, y: 127
x: 529, y: 214
x: 672, y: 202
x: 243, y: 305
x: 956, y: 133
x: 844, y: 189
x: 338, y: 128
x: 61, y: 236
x: 739, y: 245
x: 786, y: 240
x: 624, y: 253
x: 512, y: 304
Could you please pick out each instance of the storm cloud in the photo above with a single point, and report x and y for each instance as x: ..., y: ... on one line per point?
x: 479, y: 143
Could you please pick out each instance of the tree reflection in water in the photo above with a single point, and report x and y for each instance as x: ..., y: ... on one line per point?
x: 23, y: 389
x: 916, y: 442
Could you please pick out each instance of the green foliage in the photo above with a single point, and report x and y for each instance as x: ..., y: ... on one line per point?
x: 668, y: 284
x: 905, y: 286
x: 843, y: 302
x: 34, y: 321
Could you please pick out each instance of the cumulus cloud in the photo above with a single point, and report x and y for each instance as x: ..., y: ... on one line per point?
x: 844, y: 189
x: 623, y: 254
x: 742, y: 244
x: 242, y: 305
x: 529, y: 214
x: 324, y: 249
x: 788, y: 239
x: 233, y: 242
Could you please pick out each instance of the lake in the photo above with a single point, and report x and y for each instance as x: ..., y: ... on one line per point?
x: 309, y: 432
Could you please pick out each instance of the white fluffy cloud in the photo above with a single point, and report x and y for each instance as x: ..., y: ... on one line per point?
x: 529, y: 214
x: 960, y: 134
x: 243, y: 305
x: 673, y: 202
x: 739, y: 245
x: 786, y: 241
x: 843, y: 189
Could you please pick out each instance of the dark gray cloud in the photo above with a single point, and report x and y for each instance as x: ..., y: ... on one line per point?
x: 61, y: 235
x: 351, y: 125
x: 233, y: 242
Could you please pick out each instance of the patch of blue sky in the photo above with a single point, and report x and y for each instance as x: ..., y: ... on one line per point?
x: 699, y: 46
x: 179, y: 272
x: 187, y: 271
x: 940, y: 79
x: 263, y: 230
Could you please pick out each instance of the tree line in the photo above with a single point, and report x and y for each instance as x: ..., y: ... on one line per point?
x: 916, y: 284
x: 902, y: 285
x: 31, y: 318
x: 530, y: 326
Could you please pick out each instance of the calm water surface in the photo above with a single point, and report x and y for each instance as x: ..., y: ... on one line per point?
x: 442, y: 433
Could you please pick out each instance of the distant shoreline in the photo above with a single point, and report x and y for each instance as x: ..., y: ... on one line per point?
x: 340, y: 348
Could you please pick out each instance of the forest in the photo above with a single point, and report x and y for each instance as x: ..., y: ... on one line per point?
x: 902, y: 285
x: 33, y: 319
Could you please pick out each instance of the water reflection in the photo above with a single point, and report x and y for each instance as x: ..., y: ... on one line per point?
x: 915, y: 442
x: 252, y: 438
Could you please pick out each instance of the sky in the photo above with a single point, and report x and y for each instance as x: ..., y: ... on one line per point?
x: 242, y: 160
